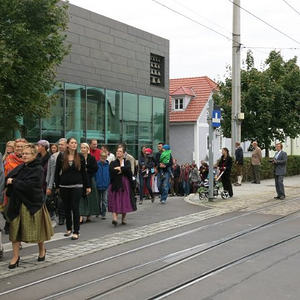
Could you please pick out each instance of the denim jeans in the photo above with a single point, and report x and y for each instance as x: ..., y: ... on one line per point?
x: 164, y: 183
x: 186, y: 187
x: 102, y: 202
x: 144, y: 180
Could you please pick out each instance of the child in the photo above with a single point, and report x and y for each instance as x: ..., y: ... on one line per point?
x: 165, y: 158
x: 102, y: 182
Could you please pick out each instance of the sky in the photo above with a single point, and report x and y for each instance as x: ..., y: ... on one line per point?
x: 197, y: 51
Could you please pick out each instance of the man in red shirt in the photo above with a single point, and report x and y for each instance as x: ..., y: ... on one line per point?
x: 94, y: 149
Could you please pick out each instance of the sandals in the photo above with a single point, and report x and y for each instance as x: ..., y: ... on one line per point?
x: 75, y: 237
x: 68, y: 233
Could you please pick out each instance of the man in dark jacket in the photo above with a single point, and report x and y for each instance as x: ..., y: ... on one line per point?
x: 239, y: 161
x: 279, y: 161
x: 175, y: 178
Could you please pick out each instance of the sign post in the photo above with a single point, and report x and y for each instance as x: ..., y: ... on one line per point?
x: 214, y: 120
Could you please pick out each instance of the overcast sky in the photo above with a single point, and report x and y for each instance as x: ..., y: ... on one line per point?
x: 196, y: 51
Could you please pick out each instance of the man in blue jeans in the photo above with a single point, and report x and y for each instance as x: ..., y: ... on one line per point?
x: 163, y: 175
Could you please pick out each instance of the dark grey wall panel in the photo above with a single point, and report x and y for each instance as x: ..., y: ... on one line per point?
x: 109, y: 54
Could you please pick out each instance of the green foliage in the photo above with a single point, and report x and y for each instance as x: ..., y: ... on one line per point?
x: 267, y: 169
x: 31, y: 46
x: 270, y: 99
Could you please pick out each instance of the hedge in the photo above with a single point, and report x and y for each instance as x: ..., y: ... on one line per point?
x: 267, y: 168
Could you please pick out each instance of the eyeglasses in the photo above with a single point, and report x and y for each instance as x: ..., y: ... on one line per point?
x: 26, y: 153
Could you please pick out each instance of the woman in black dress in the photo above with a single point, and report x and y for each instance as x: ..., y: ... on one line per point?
x: 225, y: 164
x: 89, y: 205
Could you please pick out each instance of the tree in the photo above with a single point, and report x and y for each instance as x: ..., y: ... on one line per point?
x: 270, y: 99
x: 31, y: 46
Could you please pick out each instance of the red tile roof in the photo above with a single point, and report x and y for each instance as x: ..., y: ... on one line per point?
x: 183, y: 91
x: 202, y: 87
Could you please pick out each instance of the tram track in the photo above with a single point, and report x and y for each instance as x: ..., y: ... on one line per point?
x: 220, y: 242
x: 173, y: 290
x: 214, y: 244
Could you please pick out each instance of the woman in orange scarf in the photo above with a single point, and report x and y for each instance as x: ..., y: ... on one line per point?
x: 12, y: 161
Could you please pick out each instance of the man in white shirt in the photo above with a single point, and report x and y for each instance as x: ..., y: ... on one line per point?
x: 110, y: 156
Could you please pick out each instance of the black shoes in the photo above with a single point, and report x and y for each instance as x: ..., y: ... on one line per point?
x: 280, y: 197
x: 42, y: 258
x: 115, y: 223
x: 16, y: 264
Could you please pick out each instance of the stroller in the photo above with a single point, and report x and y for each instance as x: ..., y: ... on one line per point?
x: 203, y: 190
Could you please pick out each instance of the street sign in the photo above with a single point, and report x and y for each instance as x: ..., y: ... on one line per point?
x: 216, y: 118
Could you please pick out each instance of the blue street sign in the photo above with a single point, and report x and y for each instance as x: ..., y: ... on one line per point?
x: 216, y: 118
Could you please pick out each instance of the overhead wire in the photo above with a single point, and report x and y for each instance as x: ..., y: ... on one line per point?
x: 265, y: 22
x: 292, y: 7
x: 195, y: 21
x: 194, y: 12
x: 243, y: 46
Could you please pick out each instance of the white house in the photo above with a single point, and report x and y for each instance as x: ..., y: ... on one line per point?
x: 188, y: 127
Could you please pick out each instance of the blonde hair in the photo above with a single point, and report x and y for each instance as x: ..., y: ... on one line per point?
x: 103, y: 153
x: 32, y: 147
x: 8, y: 144
x: 86, y: 145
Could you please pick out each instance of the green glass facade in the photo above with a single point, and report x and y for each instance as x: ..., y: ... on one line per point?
x: 110, y: 116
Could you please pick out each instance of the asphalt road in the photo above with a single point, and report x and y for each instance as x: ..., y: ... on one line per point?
x: 172, y: 251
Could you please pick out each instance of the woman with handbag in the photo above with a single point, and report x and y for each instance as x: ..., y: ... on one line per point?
x: 120, y: 193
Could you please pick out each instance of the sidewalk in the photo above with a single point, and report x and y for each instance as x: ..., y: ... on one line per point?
x: 251, y: 195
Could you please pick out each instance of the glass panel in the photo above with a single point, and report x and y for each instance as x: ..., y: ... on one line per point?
x: 53, y: 126
x: 95, y: 114
x: 158, y: 120
x: 130, y: 118
x: 75, y: 111
x: 132, y: 150
x: 145, y: 120
x: 31, y: 129
x: 114, y: 116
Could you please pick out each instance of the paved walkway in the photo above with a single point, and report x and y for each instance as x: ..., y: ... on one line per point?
x: 247, y: 197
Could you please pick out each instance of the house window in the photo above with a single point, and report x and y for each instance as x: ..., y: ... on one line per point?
x: 178, y: 104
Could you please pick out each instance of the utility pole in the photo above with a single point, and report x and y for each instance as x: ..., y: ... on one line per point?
x: 236, y: 78
x: 210, y: 149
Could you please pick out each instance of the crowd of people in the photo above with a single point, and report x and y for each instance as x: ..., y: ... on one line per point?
x: 43, y: 183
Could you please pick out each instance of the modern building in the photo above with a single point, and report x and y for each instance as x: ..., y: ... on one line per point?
x: 189, y: 131
x: 113, y: 86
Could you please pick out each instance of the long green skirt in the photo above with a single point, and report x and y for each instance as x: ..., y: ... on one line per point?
x: 89, y: 206
x: 31, y: 228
